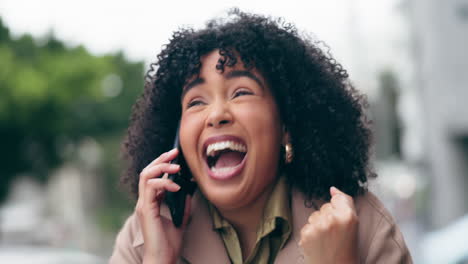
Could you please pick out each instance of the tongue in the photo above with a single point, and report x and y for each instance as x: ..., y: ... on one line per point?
x: 229, y: 159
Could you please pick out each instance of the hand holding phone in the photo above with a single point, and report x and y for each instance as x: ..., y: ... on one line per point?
x: 175, y: 201
x: 151, y: 191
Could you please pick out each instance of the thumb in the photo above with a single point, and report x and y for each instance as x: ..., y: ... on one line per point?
x: 338, y: 197
x: 334, y: 191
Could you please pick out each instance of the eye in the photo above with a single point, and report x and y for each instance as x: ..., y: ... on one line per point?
x: 241, y: 92
x: 194, y: 103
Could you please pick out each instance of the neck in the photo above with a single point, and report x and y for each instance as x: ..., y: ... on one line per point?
x: 247, y: 217
x: 246, y: 220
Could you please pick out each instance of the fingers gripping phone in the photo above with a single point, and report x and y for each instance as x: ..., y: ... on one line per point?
x: 175, y: 201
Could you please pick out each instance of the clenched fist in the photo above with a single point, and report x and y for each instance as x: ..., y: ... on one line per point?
x: 330, y: 236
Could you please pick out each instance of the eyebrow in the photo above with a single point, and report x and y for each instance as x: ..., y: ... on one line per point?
x: 230, y: 75
x: 250, y: 75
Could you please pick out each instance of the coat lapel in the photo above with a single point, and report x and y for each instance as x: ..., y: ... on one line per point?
x: 201, y: 241
x: 292, y: 253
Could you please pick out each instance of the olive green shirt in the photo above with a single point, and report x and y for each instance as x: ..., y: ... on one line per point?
x: 272, y: 233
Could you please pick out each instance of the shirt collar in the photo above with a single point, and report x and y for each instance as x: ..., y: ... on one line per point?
x: 277, y: 207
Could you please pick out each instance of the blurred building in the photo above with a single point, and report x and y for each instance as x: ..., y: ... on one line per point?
x: 416, y: 78
x: 60, y: 214
x: 439, y: 36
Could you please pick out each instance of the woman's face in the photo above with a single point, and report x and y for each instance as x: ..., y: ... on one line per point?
x: 230, y: 133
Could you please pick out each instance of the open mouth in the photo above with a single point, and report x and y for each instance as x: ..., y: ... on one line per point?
x: 225, y: 158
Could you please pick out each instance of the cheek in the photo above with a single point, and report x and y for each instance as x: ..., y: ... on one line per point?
x: 267, y: 131
x: 262, y: 119
x: 189, y: 133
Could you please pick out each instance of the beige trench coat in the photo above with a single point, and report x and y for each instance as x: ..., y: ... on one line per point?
x: 379, y: 239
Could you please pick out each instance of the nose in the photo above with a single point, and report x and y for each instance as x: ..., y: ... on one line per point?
x: 219, y: 115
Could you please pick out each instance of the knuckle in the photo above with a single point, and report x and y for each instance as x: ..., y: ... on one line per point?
x: 304, y: 231
x: 324, y: 226
x: 143, y: 173
x: 162, y: 157
x: 139, y: 209
x: 331, y: 219
x: 307, y: 232
x: 313, y: 217
x: 325, y: 207
x: 152, y: 172
x: 146, y: 173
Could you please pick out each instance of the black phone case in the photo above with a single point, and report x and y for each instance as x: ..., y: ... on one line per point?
x: 176, y: 200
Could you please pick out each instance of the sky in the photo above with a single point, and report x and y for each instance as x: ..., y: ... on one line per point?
x: 360, y: 32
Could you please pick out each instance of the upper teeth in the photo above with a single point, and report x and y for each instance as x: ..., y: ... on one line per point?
x: 213, y: 148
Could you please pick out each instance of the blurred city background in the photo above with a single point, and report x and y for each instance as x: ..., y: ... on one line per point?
x: 71, y: 70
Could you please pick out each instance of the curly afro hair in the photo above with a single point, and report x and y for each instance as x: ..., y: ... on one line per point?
x: 323, y: 113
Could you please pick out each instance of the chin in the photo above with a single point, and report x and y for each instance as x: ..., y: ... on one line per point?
x: 227, y: 196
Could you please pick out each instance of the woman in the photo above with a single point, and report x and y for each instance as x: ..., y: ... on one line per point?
x: 277, y: 142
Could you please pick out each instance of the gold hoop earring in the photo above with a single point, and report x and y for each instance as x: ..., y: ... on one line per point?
x: 288, y: 153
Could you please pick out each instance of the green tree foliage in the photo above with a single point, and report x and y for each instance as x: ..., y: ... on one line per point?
x: 52, y: 96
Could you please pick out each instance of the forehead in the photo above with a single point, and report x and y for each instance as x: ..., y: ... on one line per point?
x: 209, y: 69
x: 213, y: 62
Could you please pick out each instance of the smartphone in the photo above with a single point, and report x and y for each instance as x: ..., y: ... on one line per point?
x: 176, y: 200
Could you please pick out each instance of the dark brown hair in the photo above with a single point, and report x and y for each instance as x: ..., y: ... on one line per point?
x: 322, y: 111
